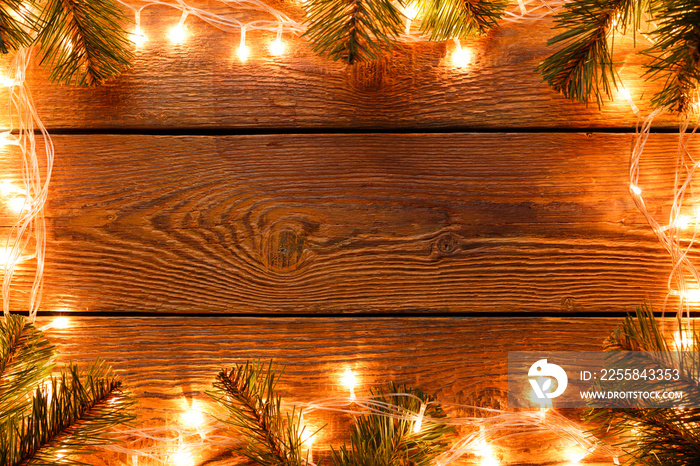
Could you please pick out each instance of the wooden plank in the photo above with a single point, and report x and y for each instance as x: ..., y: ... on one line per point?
x: 168, y: 363
x: 353, y: 223
x: 201, y: 84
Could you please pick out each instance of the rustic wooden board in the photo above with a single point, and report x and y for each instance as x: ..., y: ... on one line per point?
x: 461, y: 360
x: 201, y: 84
x: 352, y: 223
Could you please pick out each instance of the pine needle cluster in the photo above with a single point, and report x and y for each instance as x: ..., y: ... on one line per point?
x: 584, y: 66
x: 254, y: 409
x: 270, y: 437
x: 44, y: 418
x: 655, y: 436
x: 362, y: 30
x: 82, y: 42
x: 383, y: 439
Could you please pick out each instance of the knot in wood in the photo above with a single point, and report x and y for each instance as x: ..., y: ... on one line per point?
x: 284, y: 248
x: 446, y: 244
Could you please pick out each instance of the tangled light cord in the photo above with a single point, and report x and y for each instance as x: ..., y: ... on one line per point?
x: 684, y: 279
x: 28, y: 200
x: 179, y: 444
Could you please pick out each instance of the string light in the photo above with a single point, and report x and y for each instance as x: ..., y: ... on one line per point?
x: 635, y: 189
x: 277, y: 46
x: 419, y: 422
x: 243, y: 51
x: 182, y: 457
x: 683, y: 340
x: 138, y: 37
x: 178, y: 33
x: 576, y: 455
x: 349, y: 380
x: 410, y: 12
x: 461, y: 57
x: 19, y: 203
x: 192, y: 418
x: 628, y: 97
x: 7, y: 139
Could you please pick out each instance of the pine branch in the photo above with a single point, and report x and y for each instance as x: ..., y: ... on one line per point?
x: 69, y: 417
x: 447, y: 19
x: 248, y: 394
x: 676, y: 53
x: 83, y: 42
x: 383, y: 440
x: 583, y: 67
x: 17, y: 23
x: 352, y: 30
x: 26, y: 358
x: 667, y: 436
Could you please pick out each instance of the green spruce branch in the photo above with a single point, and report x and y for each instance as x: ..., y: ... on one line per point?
x: 26, y: 358
x: 83, y: 42
x: 447, y: 19
x: 382, y: 439
x: 46, y: 419
x: 676, y: 54
x: 352, y: 30
x: 15, y: 16
x: 654, y: 436
x: 583, y: 68
x: 248, y: 394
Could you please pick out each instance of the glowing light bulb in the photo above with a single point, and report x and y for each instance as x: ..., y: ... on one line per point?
x: 7, y: 139
x: 635, y: 189
x: 461, y: 57
x: 349, y: 380
x: 243, y: 53
x: 682, y: 340
x: 485, y: 451
x: 60, y: 323
x: 626, y: 94
x: 192, y: 418
x: 8, y: 189
x: 683, y: 221
x: 692, y: 296
x: 178, y: 34
x: 277, y: 47
x: 19, y: 203
x: 575, y: 456
x: 138, y: 37
x: 182, y: 458
x: 60, y: 454
x: 419, y: 422
x: 411, y: 11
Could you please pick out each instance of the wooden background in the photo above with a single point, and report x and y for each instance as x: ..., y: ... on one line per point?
x: 406, y: 219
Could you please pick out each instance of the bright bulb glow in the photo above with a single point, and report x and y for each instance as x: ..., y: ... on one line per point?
x: 7, y: 139
x: 411, y: 11
x: 635, y: 189
x: 682, y: 340
x: 277, y: 48
x: 8, y: 189
x: 626, y: 94
x: 60, y: 322
x: 182, y: 458
x: 683, y: 221
x: 243, y: 52
x: 138, y: 37
x: 192, y: 418
x: 692, y: 296
x: 461, y: 57
x: 575, y: 456
x: 19, y: 203
x: 486, y: 452
x: 178, y: 34
x: 349, y: 380
x: 60, y: 454
x: 419, y: 422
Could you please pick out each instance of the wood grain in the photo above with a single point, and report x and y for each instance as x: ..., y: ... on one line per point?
x: 461, y: 360
x: 201, y: 84
x: 353, y: 223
